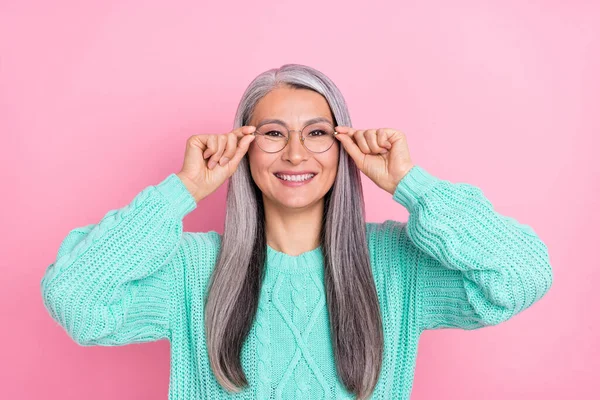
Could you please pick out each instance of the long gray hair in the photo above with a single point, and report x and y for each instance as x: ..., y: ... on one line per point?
x: 234, y: 288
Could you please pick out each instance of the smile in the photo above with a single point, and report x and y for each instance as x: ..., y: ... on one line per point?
x: 294, y: 180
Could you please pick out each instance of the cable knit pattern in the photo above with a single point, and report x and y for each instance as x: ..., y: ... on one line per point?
x: 263, y: 349
x: 135, y: 276
x: 299, y: 319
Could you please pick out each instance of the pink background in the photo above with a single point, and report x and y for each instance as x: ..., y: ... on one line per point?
x: 98, y: 99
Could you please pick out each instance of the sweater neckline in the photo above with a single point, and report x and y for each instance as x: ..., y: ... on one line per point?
x: 309, y: 261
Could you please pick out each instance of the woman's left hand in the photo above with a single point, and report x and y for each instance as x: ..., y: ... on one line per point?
x: 381, y: 154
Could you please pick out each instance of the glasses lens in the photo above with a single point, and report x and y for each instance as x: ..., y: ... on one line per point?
x: 271, y: 137
x: 318, y: 137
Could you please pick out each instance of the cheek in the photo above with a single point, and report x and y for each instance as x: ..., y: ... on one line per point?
x: 259, y: 163
x: 333, y: 159
x: 330, y: 164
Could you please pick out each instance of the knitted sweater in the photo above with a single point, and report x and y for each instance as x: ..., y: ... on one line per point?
x: 137, y: 277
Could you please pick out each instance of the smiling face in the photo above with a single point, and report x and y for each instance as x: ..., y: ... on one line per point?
x: 294, y: 107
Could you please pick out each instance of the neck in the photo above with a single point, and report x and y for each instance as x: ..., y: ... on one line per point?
x: 293, y: 231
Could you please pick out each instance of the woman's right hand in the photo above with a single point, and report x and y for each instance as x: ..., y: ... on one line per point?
x: 211, y: 159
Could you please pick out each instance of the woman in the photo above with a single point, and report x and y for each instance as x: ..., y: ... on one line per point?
x: 299, y: 298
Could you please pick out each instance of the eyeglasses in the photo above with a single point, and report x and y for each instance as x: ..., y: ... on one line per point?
x: 273, y: 137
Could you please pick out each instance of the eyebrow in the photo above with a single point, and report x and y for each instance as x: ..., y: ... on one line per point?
x: 308, y: 122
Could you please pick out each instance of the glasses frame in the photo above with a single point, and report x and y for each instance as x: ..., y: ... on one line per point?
x: 302, y: 138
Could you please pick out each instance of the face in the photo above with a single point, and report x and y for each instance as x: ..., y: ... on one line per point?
x: 294, y: 107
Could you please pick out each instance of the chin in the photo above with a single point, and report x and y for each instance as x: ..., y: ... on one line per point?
x: 297, y: 203
x: 294, y: 198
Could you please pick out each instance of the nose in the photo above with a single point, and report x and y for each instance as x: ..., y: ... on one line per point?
x: 294, y: 151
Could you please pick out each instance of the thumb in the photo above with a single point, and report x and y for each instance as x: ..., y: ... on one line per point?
x: 242, y: 148
x: 351, y: 148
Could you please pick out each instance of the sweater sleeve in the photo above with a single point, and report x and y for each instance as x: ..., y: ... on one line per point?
x: 112, y: 282
x: 475, y: 267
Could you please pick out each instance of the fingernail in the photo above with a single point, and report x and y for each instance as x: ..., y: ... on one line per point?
x: 223, y: 161
x: 211, y: 164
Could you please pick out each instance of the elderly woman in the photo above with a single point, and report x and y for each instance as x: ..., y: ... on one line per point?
x: 299, y: 297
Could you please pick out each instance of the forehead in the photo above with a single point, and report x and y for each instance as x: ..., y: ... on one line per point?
x: 294, y: 106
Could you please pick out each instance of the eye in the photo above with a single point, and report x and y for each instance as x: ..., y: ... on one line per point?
x: 273, y: 134
x: 317, y: 132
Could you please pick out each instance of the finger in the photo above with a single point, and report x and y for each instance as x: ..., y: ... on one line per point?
x: 241, y: 150
x: 221, y: 143
x: 371, y: 138
x: 342, y: 128
x: 351, y: 148
x: 232, y: 142
x: 382, y: 139
x: 193, y: 152
x: 393, y: 135
x: 244, y: 130
x: 348, y: 130
x: 211, y: 146
x: 361, y: 142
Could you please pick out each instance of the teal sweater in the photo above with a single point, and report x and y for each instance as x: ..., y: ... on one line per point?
x: 137, y: 277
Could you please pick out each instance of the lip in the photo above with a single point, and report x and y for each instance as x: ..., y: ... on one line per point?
x: 294, y: 172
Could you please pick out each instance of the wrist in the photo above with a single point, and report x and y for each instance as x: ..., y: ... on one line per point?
x: 392, y: 187
x: 191, y: 187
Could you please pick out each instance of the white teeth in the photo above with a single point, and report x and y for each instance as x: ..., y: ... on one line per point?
x: 295, y: 178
